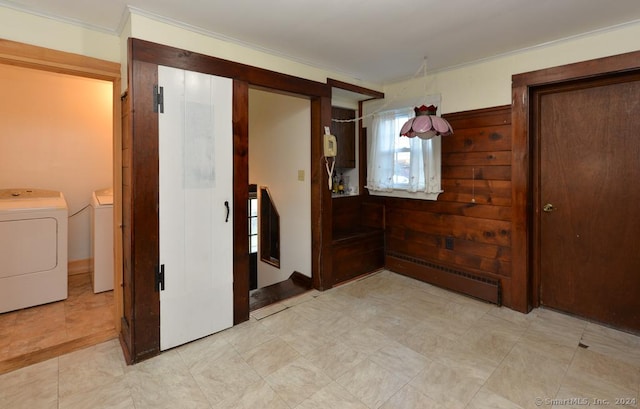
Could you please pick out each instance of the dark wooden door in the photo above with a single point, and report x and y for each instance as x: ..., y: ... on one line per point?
x: 589, y: 172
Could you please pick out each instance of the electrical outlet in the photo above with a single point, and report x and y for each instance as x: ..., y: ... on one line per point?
x: 448, y: 243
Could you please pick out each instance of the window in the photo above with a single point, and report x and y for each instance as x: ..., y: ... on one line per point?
x: 253, y: 220
x: 401, y: 166
x: 269, y: 229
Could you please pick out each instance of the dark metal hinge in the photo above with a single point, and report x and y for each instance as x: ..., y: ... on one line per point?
x: 158, y: 99
x: 160, y: 278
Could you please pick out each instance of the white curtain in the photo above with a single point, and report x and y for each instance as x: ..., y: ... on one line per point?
x: 424, y: 173
x: 432, y: 152
x: 381, y: 158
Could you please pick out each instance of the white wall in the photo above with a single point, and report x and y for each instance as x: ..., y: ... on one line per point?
x: 45, y: 32
x: 280, y: 146
x: 56, y: 133
x: 478, y: 85
x: 145, y: 28
x: 488, y: 83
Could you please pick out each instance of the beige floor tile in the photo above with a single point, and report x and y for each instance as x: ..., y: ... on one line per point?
x: 458, y: 317
x: 526, y: 374
x: 395, y: 320
x: 164, y: 382
x: 425, y: 340
x: 389, y: 291
x: 555, y: 335
x: 270, y: 356
x: 313, y: 311
x: 371, y: 383
x: 488, y: 341
x: 337, y: 326
x: 247, y: 335
x: 332, y: 396
x: 552, y: 329
x: 114, y: 395
x: 452, y: 387
x: 285, y: 321
x: 468, y: 358
x: 592, y: 369
x: 423, y: 299
x: 400, y: 359
x: 576, y: 393
x: 427, y: 348
x: 90, y: 368
x: 340, y: 301
x: 306, y: 339
x: 225, y: 378
x: 206, y: 351
x: 607, y: 341
x: 365, y: 340
x: 336, y: 301
x: 259, y: 395
x: 410, y: 398
x: 356, y: 289
x: 335, y: 358
x: 369, y: 310
x: 516, y: 318
x: 268, y: 310
x: 35, y: 386
x: 486, y: 399
x: 297, y: 381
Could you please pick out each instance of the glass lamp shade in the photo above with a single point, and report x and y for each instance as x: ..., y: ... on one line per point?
x: 426, y: 124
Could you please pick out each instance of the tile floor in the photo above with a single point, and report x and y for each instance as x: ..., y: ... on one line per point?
x: 35, y: 328
x: 385, y: 341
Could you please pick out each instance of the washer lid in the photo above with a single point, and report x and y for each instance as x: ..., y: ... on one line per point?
x: 104, y: 199
x: 24, y: 199
x: 104, y: 196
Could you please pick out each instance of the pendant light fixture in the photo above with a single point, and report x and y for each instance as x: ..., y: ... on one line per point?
x: 426, y: 124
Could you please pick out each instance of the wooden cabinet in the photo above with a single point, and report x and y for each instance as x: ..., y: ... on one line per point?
x: 345, y: 133
x: 358, y: 253
x: 358, y: 238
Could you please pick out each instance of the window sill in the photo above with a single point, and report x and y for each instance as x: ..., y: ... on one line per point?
x: 405, y: 194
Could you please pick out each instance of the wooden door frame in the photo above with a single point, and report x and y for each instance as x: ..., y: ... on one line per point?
x: 143, y: 59
x: 45, y: 59
x: 525, y: 164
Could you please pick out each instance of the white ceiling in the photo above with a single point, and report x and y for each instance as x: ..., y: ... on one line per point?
x: 377, y: 41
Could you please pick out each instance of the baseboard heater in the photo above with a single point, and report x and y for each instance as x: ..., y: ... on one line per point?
x: 484, y: 288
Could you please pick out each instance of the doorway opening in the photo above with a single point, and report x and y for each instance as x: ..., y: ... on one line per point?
x: 80, y: 294
x: 279, y: 134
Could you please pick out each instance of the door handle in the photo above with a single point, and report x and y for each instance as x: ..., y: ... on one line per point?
x: 548, y: 208
x: 226, y: 204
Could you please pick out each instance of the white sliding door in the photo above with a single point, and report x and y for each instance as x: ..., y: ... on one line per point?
x: 196, y: 193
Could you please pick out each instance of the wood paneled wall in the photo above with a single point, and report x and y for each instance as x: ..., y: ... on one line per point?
x: 467, y: 231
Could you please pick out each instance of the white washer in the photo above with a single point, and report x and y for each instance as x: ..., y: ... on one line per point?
x: 102, y: 240
x: 33, y: 248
